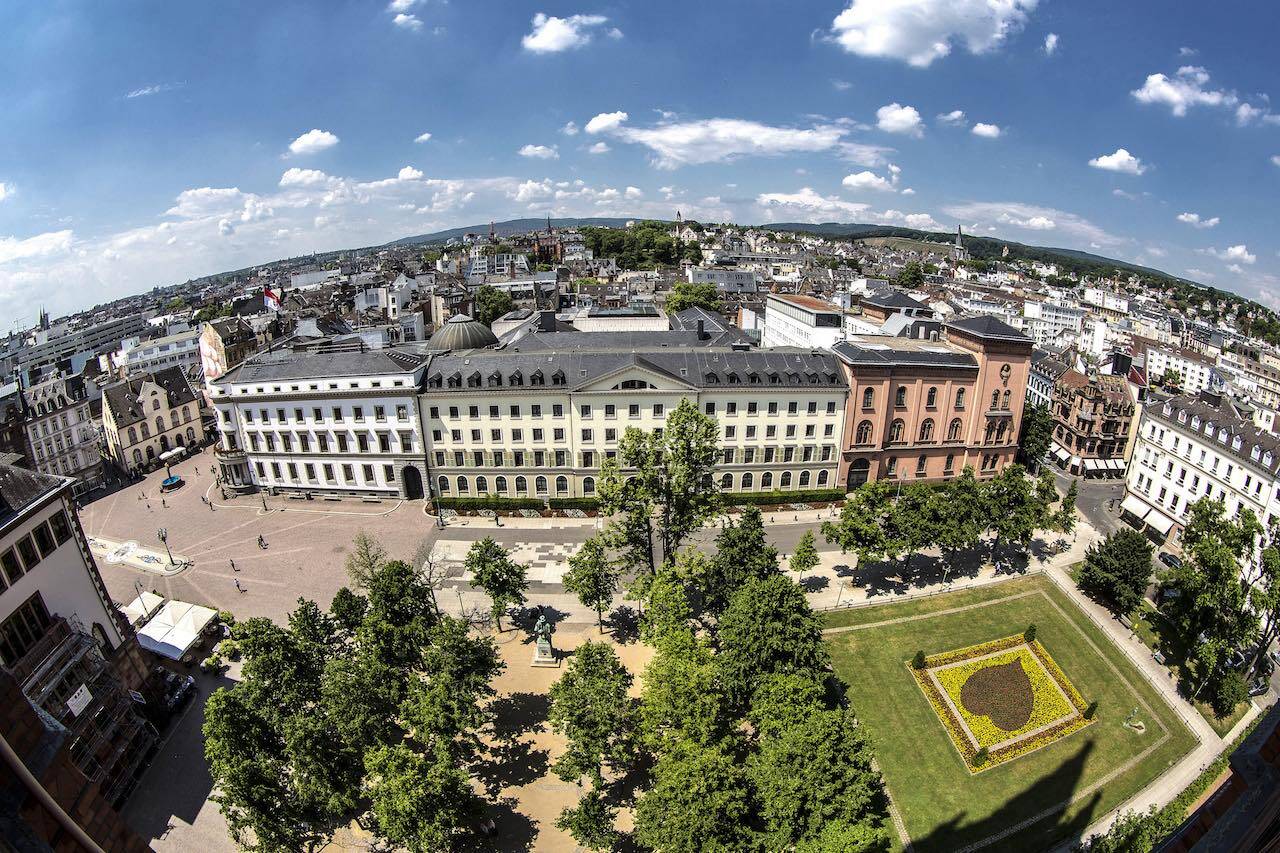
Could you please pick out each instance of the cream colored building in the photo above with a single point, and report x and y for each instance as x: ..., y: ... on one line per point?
x: 148, y: 415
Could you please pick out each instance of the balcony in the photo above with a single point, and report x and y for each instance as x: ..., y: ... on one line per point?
x: 232, y: 456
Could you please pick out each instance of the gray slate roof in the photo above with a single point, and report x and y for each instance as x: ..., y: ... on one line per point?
x: 892, y: 353
x: 987, y: 326
x: 284, y: 365
x: 19, y: 488
x: 123, y: 396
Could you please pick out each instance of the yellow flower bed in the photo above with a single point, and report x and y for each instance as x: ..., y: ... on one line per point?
x: 1047, y: 702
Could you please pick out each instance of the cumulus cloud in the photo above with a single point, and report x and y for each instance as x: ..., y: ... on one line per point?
x: 401, y: 5
x: 919, y: 32
x: 1188, y: 87
x: 540, y: 152
x: 599, y: 148
x: 1275, y: 159
x: 408, y: 173
x: 312, y: 142
x: 1051, y: 44
x: 841, y: 85
x: 1233, y: 254
x: 807, y: 205
x: 406, y: 21
x: 987, y: 131
x: 605, y: 122
x: 6, y: 190
x: 953, y: 118
x: 225, y: 228
x: 896, y: 118
x: 422, y: 137
x: 1235, y: 268
x: 39, y: 246
x: 295, y: 177
x: 553, y: 35
x: 1032, y: 217
x: 634, y: 192
x: 867, y: 181
x: 569, y: 129
x: 1119, y: 161
x: 1194, y: 220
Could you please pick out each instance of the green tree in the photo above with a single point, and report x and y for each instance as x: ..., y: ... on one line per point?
x: 683, y: 699
x: 629, y: 506
x: 688, y: 295
x: 490, y: 303
x: 1064, y: 520
x: 668, y: 598
x: 1016, y: 506
x: 593, y: 577
x: 590, y: 823
x: 805, y: 557
x: 742, y: 552
x: 865, y: 524
x: 1035, y: 435
x: 364, y: 560
x: 959, y: 515
x: 1118, y: 569
x: 420, y: 801
x: 502, y: 578
x: 699, y: 800
x: 910, y: 276
x: 912, y: 521
x: 590, y: 707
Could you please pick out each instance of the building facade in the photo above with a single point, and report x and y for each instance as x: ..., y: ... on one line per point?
x: 801, y: 321
x: 1092, y: 417
x: 61, y: 434
x: 224, y: 343
x: 148, y: 415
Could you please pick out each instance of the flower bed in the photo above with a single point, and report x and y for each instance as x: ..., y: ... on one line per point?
x: 1000, y: 699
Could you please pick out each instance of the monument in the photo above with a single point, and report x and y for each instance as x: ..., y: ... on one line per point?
x: 543, y: 654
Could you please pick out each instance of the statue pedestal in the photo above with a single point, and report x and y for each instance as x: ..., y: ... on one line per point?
x: 543, y: 655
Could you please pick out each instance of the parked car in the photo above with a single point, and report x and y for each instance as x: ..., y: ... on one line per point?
x: 1259, y: 686
x: 1170, y: 560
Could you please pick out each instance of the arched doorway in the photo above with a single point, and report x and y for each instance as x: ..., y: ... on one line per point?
x: 412, y: 480
x: 164, y: 443
x: 859, y: 472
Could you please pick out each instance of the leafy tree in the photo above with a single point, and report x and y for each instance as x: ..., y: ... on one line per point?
x: 768, y: 628
x: 590, y: 707
x: 912, y: 520
x: 502, y: 578
x: 348, y: 609
x: 420, y: 801
x: 783, y: 700
x: 1066, y: 517
x: 910, y: 276
x: 699, y: 800
x: 805, y: 557
x: 865, y: 524
x: 689, y: 295
x: 593, y: 577
x: 1016, y: 506
x: 1035, y: 435
x: 1228, y: 692
x: 1117, y: 569
x: 742, y: 552
x: 683, y: 699
x: 490, y: 303
x: 959, y: 515
x: 1132, y: 832
x: 590, y: 823
x: 1264, y: 593
x: 365, y: 558
x: 448, y: 706
x: 837, y: 837
x: 668, y: 610
x: 629, y: 505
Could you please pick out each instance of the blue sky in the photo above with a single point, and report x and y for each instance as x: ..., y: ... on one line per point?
x: 146, y: 143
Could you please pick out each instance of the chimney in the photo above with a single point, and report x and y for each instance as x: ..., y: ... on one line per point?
x: 546, y: 321
x: 702, y: 331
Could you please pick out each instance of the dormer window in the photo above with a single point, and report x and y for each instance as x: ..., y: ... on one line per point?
x: 712, y: 379
x: 517, y: 378
x: 455, y: 381
x: 537, y: 379
x: 495, y: 380
x: 1236, y: 443
x: 734, y: 379
x: 557, y: 378
x: 753, y: 378
x: 473, y: 381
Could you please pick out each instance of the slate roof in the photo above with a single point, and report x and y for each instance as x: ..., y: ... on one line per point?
x: 20, y: 488
x: 987, y: 326
x: 889, y: 297
x: 123, y: 396
x: 893, y: 352
x: 283, y: 364
x: 1228, y: 425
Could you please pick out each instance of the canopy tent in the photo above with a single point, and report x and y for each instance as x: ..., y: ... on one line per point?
x: 142, y: 608
x: 1093, y: 464
x: 175, y: 629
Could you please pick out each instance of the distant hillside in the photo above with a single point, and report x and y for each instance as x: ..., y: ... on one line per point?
x: 509, y: 227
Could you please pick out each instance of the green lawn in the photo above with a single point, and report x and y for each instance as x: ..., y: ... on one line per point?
x: 943, y: 806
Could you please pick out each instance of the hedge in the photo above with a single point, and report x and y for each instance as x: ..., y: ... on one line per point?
x: 781, y: 498
x: 575, y: 503
x: 495, y: 502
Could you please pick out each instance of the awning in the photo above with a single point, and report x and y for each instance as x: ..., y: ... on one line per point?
x: 1075, y: 462
x: 1135, y: 506
x: 1092, y: 464
x: 1117, y: 464
x: 142, y: 608
x: 1159, y: 522
x: 175, y: 629
x: 1061, y: 452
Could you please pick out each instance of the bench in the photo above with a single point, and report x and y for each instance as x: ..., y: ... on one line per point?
x: 1127, y: 622
x: 334, y: 498
x: 1159, y: 658
x: 372, y: 500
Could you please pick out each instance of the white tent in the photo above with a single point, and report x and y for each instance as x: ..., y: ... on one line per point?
x: 175, y: 629
x: 142, y: 608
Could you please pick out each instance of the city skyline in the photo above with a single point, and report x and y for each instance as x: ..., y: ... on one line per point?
x: 135, y: 160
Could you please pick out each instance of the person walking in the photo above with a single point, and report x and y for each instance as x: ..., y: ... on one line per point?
x: 238, y: 587
x: 262, y: 543
x: 233, y: 566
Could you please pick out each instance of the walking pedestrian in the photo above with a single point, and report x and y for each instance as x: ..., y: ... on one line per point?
x: 233, y: 566
x: 163, y: 504
x: 238, y: 587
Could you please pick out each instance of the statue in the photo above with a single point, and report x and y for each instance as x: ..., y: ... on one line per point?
x: 543, y: 654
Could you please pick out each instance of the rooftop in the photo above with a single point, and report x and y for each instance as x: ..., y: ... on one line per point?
x: 20, y: 488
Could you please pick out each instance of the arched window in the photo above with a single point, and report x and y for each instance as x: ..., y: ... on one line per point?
x: 186, y: 414
x: 444, y: 485
x: 133, y: 436
x: 959, y: 398
x: 822, y: 477
x: 896, y: 430
x: 953, y: 431
x: 922, y: 465
x: 588, y: 485
x: 159, y: 424
x: 146, y: 430
x: 926, y: 430
x: 540, y: 485
x: 726, y: 481
x: 900, y: 397
x: 995, y: 400
x: 931, y: 399
x: 463, y: 487
x: 1004, y: 403
x: 748, y: 480
x: 500, y: 485
x: 155, y: 404
x: 766, y: 480
x: 482, y: 485
x: 173, y: 419
x: 804, y: 479
x: 562, y: 485
x: 522, y: 486
x: 784, y: 482
x: 864, y: 433
x: 868, y: 398
x: 191, y: 435
x: 137, y: 456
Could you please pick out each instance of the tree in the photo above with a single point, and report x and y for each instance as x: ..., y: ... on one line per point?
x: 365, y: 558
x: 590, y: 823
x: 1135, y: 832
x: 742, y: 552
x: 490, y: 303
x: 1117, y: 570
x: 865, y: 524
x: 688, y: 295
x: 1016, y: 506
x: 502, y: 579
x: 593, y: 577
x: 683, y: 698
x: 590, y: 707
x: 629, y: 506
x: 910, y: 276
x: 1064, y: 520
x: 699, y: 800
x: 805, y: 557
x: 420, y: 801
x: 1035, y: 435
x: 912, y: 520
x: 959, y: 515
x: 668, y: 610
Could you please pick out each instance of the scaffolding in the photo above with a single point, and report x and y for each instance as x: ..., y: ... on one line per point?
x: 66, y: 675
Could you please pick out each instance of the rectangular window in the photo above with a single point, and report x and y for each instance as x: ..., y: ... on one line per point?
x: 793, y: 407
x: 368, y: 474
x: 517, y: 435
x: 348, y: 474
x: 711, y: 409
x: 657, y: 410
x: 328, y: 473
x: 537, y: 435
x: 610, y: 410
x: 586, y: 435
x: 61, y: 528
x: 515, y: 411
x: 12, y: 566
x: 389, y: 471
x: 337, y: 413
x: 23, y: 629
x: 557, y: 434
x: 535, y: 411
x: 342, y: 442
x: 453, y: 411
x: 384, y: 442
x: 773, y: 407
x: 557, y: 410
x: 311, y: 470
x: 562, y: 458
x: 588, y: 459
x: 357, y: 413
x: 362, y: 441
x: 730, y: 408
x: 730, y: 431
x: 379, y: 413
x: 633, y: 411
x: 27, y: 550
x: 293, y: 472
x: 497, y: 458
x: 473, y: 412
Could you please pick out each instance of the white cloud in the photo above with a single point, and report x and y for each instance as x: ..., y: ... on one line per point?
x: 206, y: 201
x: 1051, y: 44
x: 841, y: 85
x: 408, y: 173
x: 1032, y: 217
x: 1235, y: 268
x: 154, y: 89
x: 1187, y: 51
x: 599, y: 148
x: 6, y: 190
x: 867, y: 181
x: 407, y: 22
x: 896, y: 118
x: 605, y: 122
x: 1155, y: 252
x: 39, y: 246
x: 860, y: 154
x: 225, y: 228
x: 295, y: 177
x: 422, y: 137
x: 1236, y: 254
x: 1119, y: 161
x: 921, y: 31
x: 987, y: 131
x: 1119, y: 193
x: 806, y: 203
x: 1275, y: 159
x: 553, y: 35
x: 954, y: 117
x: 540, y: 152
x: 1194, y: 220
x: 908, y: 191
x: 401, y: 5
x: 313, y: 141
x: 634, y: 192
x: 570, y: 129
x: 1185, y: 89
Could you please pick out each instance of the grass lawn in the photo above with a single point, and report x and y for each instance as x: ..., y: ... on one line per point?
x: 1152, y: 629
x: 943, y: 806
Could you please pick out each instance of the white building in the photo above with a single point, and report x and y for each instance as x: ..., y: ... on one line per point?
x: 177, y: 350
x: 726, y: 280
x: 792, y: 320
x: 1195, y: 447
x: 61, y: 434
x: 1048, y: 323
x: 1192, y: 369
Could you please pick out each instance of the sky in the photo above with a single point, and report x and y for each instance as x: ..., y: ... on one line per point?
x: 145, y: 143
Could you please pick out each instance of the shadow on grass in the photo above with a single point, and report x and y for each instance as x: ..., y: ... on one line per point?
x: 624, y: 624
x: 1046, y: 793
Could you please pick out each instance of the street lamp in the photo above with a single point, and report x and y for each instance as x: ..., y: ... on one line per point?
x: 163, y: 535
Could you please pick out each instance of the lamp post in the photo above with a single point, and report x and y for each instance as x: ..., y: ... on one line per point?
x: 163, y: 535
